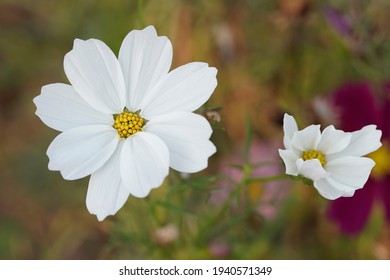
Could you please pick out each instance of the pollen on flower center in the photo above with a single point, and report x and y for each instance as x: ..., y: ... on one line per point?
x: 128, y: 123
x: 313, y: 154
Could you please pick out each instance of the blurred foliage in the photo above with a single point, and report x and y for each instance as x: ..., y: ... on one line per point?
x: 272, y: 57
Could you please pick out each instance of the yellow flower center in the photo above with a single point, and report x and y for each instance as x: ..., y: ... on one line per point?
x: 128, y: 123
x: 382, y: 161
x: 313, y: 154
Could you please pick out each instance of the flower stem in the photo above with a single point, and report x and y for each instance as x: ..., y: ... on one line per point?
x: 268, y: 179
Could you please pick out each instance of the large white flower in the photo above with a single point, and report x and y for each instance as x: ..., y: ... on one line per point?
x: 331, y: 159
x: 125, y: 121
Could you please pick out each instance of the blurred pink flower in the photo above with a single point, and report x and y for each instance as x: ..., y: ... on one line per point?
x: 338, y: 21
x: 358, y: 106
x: 346, y: 24
x: 265, y: 159
x: 218, y: 248
x: 166, y: 235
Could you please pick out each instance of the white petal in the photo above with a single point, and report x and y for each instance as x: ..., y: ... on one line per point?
x: 333, y: 141
x: 311, y: 169
x: 330, y: 188
x: 184, y: 89
x: 187, y: 138
x: 144, y: 163
x: 289, y: 159
x: 95, y: 73
x: 306, y: 139
x: 363, y: 142
x: 348, y: 192
x: 106, y: 192
x: 60, y: 107
x: 352, y: 171
x: 289, y: 127
x: 145, y: 58
x: 80, y: 151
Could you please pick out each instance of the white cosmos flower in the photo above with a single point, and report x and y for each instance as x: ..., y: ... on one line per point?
x: 331, y: 159
x: 125, y: 121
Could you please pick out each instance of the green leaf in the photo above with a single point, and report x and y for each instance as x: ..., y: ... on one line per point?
x: 248, y: 138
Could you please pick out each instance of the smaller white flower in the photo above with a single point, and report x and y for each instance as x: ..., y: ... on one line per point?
x: 333, y: 159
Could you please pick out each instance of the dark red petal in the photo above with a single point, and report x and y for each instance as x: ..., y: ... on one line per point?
x: 351, y: 213
x: 357, y: 106
x: 385, y: 118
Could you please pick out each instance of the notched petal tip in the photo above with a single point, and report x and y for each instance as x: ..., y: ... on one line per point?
x: 286, y: 116
x: 100, y: 216
x: 150, y: 28
x: 36, y: 102
x: 348, y: 193
x: 77, y: 42
x: 147, y: 31
x: 289, y: 120
x: 213, y: 70
x: 66, y: 175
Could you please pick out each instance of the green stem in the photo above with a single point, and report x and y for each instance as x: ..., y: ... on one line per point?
x: 268, y: 179
x: 247, y: 169
x: 140, y: 12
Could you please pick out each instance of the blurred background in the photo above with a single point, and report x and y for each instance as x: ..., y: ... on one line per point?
x: 325, y: 62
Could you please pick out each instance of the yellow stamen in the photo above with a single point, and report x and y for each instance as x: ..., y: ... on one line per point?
x: 128, y: 123
x: 313, y: 154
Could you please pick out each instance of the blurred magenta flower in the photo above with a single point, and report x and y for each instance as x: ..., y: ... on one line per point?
x: 358, y: 106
